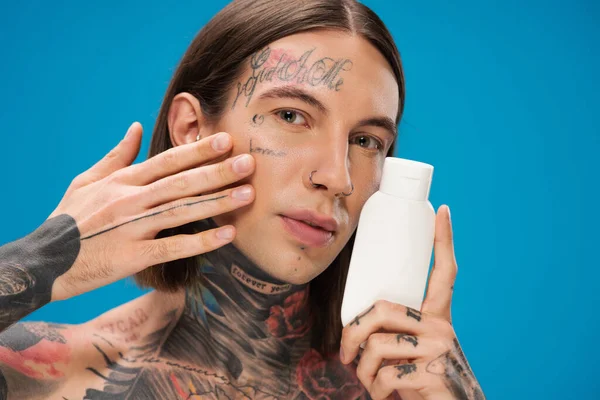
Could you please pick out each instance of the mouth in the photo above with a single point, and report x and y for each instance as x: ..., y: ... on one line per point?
x: 307, y: 232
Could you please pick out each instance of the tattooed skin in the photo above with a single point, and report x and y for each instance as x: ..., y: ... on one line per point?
x: 452, y: 366
x: 238, y: 335
x: 405, y: 369
x: 356, y: 320
x: 414, y: 314
x: 267, y: 65
x: 407, y: 338
x: 29, y: 267
x: 257, y: 120
x: 265, y: 151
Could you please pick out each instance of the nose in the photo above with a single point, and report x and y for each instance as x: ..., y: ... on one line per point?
x: 330, y: 169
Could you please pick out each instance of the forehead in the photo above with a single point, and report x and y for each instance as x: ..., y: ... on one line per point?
x: 344, y: 71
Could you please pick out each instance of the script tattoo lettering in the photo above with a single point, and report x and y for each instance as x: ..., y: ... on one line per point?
x: 257, y: 284
x: 127, y: 326
x: 265, y: 151
x: 412, y: 313
x: 267, y: 65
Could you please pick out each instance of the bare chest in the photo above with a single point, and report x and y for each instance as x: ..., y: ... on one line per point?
x: 162, y: 378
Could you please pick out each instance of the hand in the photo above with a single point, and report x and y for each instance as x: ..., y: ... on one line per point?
x: 119, y: 208
x: 415, y: 353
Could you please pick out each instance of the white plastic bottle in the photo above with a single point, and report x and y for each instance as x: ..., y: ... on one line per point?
x: 394, y: 241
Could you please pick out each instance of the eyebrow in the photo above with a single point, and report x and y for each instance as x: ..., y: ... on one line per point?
x: 381, y: 122
x: 292, y: 92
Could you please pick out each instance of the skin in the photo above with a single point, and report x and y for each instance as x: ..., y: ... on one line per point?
x: 245, y: 331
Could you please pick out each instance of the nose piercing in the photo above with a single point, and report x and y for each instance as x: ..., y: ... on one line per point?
x: 316, y: 185
x: 350, y: 190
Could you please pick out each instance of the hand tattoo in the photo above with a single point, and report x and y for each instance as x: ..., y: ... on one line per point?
x: 412, y: 313
x: 408, y: 338
x: 405, y: 369
x: 358, y: 317
x: 452, y: 366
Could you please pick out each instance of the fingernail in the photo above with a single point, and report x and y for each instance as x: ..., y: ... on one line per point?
x: 225, y: 233
x: 221, y: 142
x: 449, y: 218
x: 242, y: 164
x: 242, y: 193
x: 342, y: 359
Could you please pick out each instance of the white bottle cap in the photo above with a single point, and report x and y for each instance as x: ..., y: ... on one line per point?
x: 407, y: 179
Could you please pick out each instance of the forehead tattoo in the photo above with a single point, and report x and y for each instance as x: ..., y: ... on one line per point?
x: 267, y: 65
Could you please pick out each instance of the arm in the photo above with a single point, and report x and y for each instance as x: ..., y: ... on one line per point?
x: 105, y: 227
x: 34, y: 358
x: 29, y: 267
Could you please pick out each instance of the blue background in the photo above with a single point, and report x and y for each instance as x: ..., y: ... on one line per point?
x: 501, y: 98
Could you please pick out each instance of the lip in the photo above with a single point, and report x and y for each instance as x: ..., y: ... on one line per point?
x: 320, y: 220
x: 306, y: 234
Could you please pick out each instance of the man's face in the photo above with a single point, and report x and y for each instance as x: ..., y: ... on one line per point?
x: 317, y: 101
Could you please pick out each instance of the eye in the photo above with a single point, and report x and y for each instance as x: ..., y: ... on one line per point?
x: 367, y: 142
x: 292, y: 117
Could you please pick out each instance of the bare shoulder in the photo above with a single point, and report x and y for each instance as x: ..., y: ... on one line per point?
x: 37, y: 359
x: 128, y: 323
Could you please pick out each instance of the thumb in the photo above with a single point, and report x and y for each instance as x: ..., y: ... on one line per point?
x: 121, y: 156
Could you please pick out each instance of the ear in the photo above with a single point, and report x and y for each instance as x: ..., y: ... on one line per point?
x: 185, y: 120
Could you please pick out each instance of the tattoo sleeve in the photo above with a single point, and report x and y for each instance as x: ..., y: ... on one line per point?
x: 33, y: 358
x: 30, y: 265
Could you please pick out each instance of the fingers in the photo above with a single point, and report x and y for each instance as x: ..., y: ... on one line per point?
x: 198, y: 180
x: 119, y: 157
x: 182, y: 246
x: 386, y: 346
x: 441, y: 280
x: 394, y: 377
x: 407, y: 377
x: 383, y: 315
x: 187, y: 210
x: 179, y: 159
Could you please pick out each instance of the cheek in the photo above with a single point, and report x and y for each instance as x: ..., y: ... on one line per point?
x: 365, y: 187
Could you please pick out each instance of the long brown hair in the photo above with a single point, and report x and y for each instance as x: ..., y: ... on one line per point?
x: 212, y: 64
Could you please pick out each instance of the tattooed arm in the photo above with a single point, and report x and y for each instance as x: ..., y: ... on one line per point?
x: 29, y: 267
x: 105, y: 226
x: 34, y: 357
x: 51, y: 361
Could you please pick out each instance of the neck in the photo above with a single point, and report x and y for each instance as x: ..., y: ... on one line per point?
x: 240, y: 319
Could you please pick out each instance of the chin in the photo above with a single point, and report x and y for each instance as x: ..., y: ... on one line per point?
x: 299, y: 267
x: 280, y: 255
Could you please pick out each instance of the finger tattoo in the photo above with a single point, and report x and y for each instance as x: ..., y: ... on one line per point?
x: 408, y: 338
x: 405, y: 369
x: 358, y: 317
x: 412, y: 313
